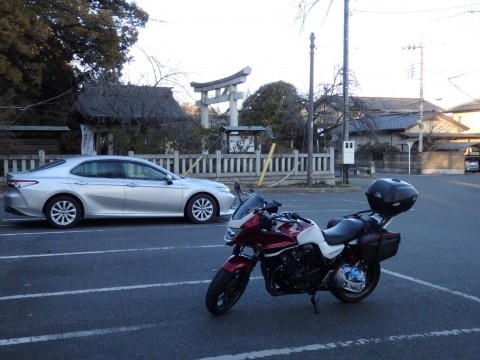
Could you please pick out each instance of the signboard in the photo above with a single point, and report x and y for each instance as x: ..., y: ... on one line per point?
x: 349, y: 152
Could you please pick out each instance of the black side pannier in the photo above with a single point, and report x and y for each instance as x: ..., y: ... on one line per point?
x: 378, y: 245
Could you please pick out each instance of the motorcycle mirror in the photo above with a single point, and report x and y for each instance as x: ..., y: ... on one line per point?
x: 271, y: 207
x: 238, y: 189
x: 236, y: 186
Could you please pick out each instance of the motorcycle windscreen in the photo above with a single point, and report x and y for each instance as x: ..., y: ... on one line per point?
x: 254, y: 201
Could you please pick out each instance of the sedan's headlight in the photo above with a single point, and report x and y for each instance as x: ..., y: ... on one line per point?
x: 231, y: 233
x: 223, y: 188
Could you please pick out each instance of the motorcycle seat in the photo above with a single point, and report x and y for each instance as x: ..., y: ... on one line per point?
x: 344, y: 231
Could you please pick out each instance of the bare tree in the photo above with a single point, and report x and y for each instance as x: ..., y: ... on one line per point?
x: 304, y: 8
x: 328, y: 105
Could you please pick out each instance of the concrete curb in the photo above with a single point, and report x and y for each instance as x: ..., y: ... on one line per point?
x: 308, y: 190
x: 342, y: 189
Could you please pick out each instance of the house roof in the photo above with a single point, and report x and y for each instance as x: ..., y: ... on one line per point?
x: 399, y: 122
x: 455, y: 146
x: 473, y: 105
x: 396, y: 105
x: 128, y: 102
x: 229, y: 129
x: 39, y: 128
x: 384, y: 122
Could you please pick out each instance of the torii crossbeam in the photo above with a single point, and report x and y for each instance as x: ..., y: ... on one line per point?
x: 225, y: 90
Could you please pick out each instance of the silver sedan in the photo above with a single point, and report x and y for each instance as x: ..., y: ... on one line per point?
x: 67, y: 190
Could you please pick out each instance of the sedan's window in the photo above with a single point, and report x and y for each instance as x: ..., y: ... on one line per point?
x: 97, y: 169
x: 139, y: 171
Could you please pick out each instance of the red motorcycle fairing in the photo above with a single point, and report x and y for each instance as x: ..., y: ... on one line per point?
x: 236, y: 262
x: 254, y: 236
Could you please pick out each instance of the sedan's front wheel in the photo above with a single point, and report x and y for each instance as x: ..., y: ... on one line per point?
x: 201, y: 209
x: 63, y: 212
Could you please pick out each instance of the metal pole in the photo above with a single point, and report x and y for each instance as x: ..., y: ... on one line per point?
x: 420, y: 122
x: 310, y: 116
x: 346, y: 114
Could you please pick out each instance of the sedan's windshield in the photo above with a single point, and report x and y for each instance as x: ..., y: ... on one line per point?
x: 253, y: 202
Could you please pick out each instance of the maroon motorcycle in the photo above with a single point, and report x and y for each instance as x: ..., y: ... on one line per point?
x: 298, y: 257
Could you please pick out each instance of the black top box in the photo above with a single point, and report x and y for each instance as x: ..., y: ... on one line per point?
x: 390, y: 197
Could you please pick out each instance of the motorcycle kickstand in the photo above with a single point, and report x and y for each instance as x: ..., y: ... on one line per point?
x: 314, y: 302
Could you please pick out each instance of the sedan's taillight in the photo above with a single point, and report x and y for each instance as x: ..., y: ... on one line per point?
x: 20, y: 183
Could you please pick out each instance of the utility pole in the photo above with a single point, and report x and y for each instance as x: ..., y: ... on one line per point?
x: 346, y: 113
x: 420, y: 121
x: 421, y: 100
x: 310, y: 116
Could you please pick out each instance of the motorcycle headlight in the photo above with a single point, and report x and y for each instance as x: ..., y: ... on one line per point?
x: 231, y: 233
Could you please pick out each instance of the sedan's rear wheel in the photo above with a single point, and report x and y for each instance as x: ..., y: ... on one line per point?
x: 63, y: 212
x: 201, y: 209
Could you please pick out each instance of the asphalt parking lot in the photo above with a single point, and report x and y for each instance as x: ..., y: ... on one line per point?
x: 134, y: 289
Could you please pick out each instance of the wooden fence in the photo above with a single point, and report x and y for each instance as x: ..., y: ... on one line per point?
x: 283, y: 168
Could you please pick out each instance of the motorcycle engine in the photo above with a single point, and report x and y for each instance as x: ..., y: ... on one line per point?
x: 301, y: 262
x: 350, y: 278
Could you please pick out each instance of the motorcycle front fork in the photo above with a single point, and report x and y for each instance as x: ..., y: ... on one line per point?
x: 239, y: 250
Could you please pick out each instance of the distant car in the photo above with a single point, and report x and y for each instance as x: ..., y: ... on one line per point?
x: 67, y: 190
x: 471, y: 164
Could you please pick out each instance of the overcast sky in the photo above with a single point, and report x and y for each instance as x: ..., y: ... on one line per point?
x: 211, y: 39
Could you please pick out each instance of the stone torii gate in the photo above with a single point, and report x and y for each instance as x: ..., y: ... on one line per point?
x: 225, y: 90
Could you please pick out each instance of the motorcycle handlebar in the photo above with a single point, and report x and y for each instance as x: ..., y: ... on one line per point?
x: 295, y: 216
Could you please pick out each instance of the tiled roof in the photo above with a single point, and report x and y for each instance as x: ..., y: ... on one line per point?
x: 473, y: 105
x: 128, y: 102
x: 385, y: 122
x: 396, y: 105
x: 399, y: 121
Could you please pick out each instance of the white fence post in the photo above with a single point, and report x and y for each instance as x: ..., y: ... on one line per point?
x: 218, y: 163
x: 176, y: 162
x: 295, y: 161
x: 258, y: 160
x: 41, y: 157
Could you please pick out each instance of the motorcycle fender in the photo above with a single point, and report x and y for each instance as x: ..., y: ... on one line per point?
x: 236, y: 262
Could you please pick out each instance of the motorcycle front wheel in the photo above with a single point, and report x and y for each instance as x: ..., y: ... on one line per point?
x: 372, y: 276
x: 225, y: 290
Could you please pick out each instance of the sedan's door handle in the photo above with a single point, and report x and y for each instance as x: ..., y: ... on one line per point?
x: 81, y: 183
x: 131, y: 185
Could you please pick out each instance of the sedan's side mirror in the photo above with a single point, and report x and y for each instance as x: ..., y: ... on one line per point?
x: 169, y: 179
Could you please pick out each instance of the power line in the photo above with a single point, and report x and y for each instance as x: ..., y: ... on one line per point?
x: 415, y: 11
x: 25, y: 107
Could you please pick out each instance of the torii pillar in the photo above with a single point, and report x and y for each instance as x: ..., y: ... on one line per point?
x: 225, y: 90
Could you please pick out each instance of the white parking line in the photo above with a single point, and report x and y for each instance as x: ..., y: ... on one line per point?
x: 11, y: 257
x: 437, y: 287
x: 63, y: 232
x: 100, y: 290
x: 70, y: 335
x: 344, y: 344
x: 59, y: 232
x: 250, y: 355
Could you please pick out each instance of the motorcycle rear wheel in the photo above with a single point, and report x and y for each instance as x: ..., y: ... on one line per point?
x: 225, y: 290
x: 372, y: 275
